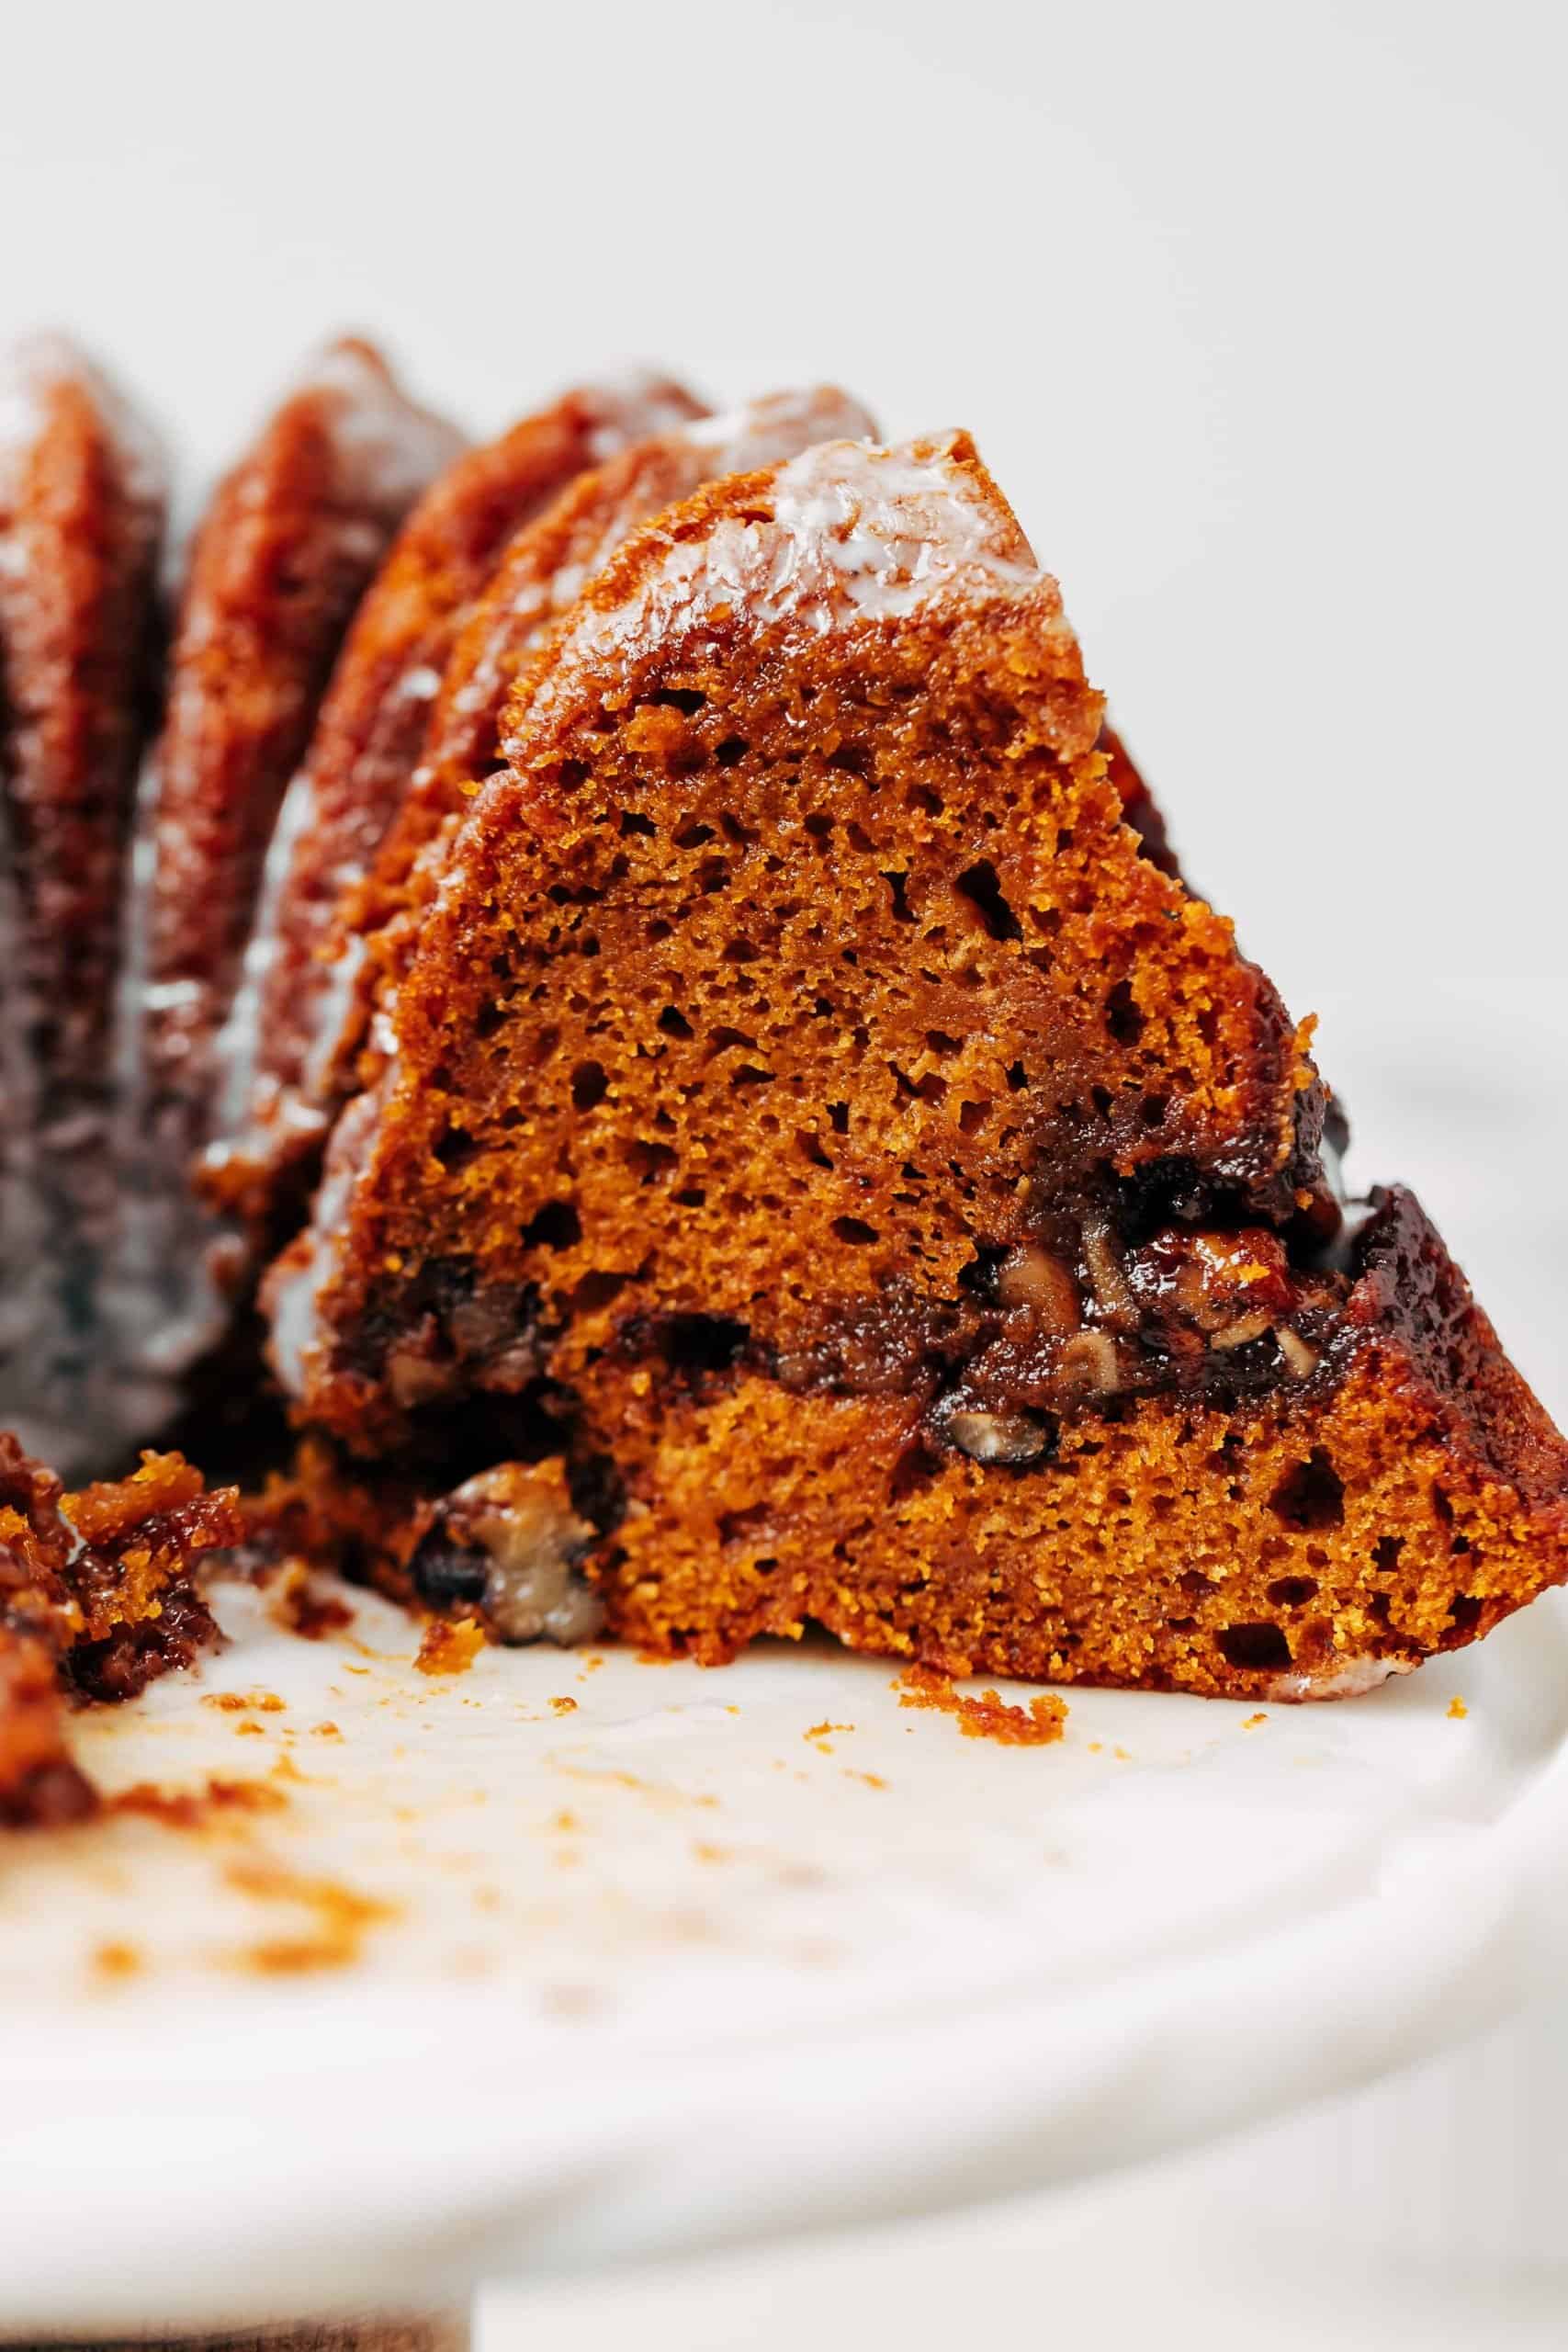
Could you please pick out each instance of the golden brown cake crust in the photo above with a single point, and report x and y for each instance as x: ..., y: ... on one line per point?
x: 367, y: 743
x: 539, y: 579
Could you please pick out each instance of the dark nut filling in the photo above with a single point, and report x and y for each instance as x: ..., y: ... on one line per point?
x: 1031, y: 1277
x: 508, y: 1542
x: 997, y: 1437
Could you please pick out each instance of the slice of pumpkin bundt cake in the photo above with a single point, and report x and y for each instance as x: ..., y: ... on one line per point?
x: 814, y: 1112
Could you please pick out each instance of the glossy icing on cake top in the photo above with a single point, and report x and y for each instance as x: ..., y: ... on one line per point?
x: 884, y: 530
x: 764, y: 433
x: 845, y: 532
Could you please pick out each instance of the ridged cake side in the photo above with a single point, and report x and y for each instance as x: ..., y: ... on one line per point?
x: 81, y: 503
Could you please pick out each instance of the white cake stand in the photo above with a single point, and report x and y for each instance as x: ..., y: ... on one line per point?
x: 562, y: 1960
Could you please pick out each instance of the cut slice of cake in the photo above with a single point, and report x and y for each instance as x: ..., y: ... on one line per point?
x: 815, y: 1098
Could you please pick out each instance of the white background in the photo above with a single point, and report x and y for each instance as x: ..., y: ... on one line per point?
x: 1256, y: 312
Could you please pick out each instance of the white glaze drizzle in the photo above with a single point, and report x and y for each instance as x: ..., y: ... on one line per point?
x: 780, y: 425
x: 390, y: 449
x: 1344, y: 1679
x: 292, y: 1294
x: 236, y: 1048
x: 27, y: 372
x: 856, y: 532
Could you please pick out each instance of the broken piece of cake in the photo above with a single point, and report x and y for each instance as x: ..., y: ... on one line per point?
x: 749, y: 1125
x: 97, y: 1598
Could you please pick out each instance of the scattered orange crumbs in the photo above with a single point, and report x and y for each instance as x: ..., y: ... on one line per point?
x: 989, y: 1716
x: 115, y: 1961
x: 450, y: 1645
x: 190, y: 1808
x: 341, y: 1916
x: 301, y: 1607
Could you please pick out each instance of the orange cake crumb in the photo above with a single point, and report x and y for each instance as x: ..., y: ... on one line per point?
x: 115, y: 1961
x: 193, y: 1808
x: 449, y: 1646
x: 989, y: 1716
x: 342, y: 1919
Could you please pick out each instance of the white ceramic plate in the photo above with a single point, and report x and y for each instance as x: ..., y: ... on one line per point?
x: 490, y: 1978
x: 498, y: 1982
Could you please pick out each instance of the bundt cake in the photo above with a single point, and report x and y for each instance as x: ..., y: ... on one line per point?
x: 645, y: 926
